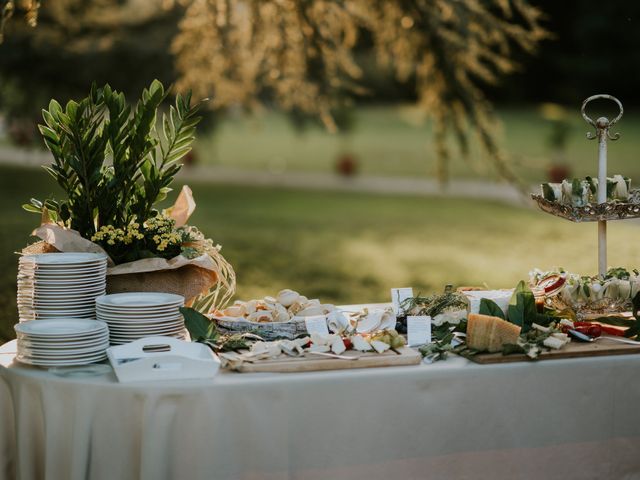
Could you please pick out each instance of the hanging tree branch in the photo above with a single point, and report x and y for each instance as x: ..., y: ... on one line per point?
x: 300, y: 54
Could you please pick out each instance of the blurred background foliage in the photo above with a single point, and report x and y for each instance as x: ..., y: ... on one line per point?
x: 125, y: 42
x: 319, y: 60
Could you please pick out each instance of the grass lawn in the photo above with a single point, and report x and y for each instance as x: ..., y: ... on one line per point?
x: 349, y: 248
x: 395, y: 140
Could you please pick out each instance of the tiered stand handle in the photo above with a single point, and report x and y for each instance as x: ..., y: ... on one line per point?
x: 602, y: 126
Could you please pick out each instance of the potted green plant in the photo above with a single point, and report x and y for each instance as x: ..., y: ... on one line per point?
x: 115, y: 163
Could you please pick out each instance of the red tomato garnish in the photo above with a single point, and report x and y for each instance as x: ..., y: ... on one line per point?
x: 595, y: 331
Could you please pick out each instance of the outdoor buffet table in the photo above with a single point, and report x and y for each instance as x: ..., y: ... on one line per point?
x: 563, y: 419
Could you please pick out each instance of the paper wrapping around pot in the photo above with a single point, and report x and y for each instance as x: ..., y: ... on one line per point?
x: 180, y: 275
x: 66, y: 240
x: 39, y: 247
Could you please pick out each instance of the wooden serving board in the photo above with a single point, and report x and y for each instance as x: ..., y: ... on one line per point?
x: 311, y: 362
x: 575, y: 349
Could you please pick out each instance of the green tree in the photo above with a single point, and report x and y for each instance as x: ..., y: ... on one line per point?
x: 121, y: 42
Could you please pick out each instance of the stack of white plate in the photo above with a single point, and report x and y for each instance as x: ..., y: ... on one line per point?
x: 60, y: 285
x: 135, y: 315
x: 61, y: 342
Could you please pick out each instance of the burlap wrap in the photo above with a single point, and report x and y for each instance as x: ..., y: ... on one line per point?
x: 188, y: 281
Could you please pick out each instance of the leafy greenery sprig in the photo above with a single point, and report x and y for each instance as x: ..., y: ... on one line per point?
x: 203, y: 330
x: 442, y: 337
x: 111, y: 160
x: 433, y: 305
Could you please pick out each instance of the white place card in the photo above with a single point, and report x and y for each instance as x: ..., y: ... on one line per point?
x: 399, y: 295
x: 317, y: 324
x: 418, y: 330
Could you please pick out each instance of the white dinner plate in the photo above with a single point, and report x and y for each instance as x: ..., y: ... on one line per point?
x: 65, y: 258
x: 32, y: 312
x: 132, y: 337
x: 150, y: 330
x: 82, y: 305
x: 135, y: 327
x: 60, y: 266
x: 24, y: 317
x: 60, y: 363
x: 31, y: 267
x: 72, y: 344
x: 89, y: 276
x: 122, y: 341
x: 142, y: 323
x: 45, y: 347
x: 24, y: 312
x: 140, y: 320
x: 167, y: 312
x: 140, y: 300
x: 92, y: 291
x: 128, y: 318
x: 60, y: 283
x: 55, y: 302
x: 40, y: 312
x: 59, y: 354
x: 57, y: 298
x: 61, y: 327
x: 63, y: 279
x: 61, y: 289
x: 70, y: 340
x: 149, y: 321
x: 60, y: 295
x: 88, y: 340
x: 138, y: 316
x: 56, y: 292
x: 61, y: 273
x: 146, y: 332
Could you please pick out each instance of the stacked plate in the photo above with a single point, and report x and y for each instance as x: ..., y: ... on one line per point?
x: 60, y: 285
x: 131, y: 316
x: 61, y: 342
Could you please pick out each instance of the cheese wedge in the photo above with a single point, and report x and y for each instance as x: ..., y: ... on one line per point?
x: 486, y: 333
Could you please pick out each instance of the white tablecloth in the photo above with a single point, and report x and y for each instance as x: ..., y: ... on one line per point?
x: 570, y: 419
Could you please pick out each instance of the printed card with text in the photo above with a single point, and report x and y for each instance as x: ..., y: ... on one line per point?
x: 418, y: 330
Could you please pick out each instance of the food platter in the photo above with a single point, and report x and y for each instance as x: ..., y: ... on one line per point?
x: 310, y: 363
x: 572, y: 350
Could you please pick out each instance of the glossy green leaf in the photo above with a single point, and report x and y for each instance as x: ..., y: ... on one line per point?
x: 489, y: 307
x: 199, y: 327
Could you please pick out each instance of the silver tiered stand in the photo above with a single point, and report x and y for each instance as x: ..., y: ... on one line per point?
x: 603, y: 211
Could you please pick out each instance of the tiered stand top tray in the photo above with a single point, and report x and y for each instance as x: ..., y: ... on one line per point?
x: 593, y: 212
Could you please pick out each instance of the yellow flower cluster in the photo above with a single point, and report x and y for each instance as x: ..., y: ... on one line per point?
x: 160, y: 224
x: 163, y: 240
x: 111, y: 235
